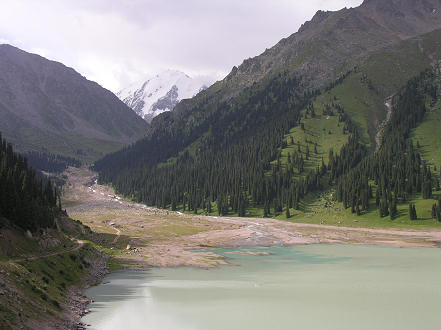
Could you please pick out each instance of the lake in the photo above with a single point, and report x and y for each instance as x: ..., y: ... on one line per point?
x: 302, y: 287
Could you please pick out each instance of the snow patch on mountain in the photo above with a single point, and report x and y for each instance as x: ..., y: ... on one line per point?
x: 160, y: 93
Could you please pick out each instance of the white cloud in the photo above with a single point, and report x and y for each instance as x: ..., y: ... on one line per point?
x: 118, y: 41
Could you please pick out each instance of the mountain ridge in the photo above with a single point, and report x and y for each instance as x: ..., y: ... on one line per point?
x: 237, y: 143
x: 161, y: 92
x: 325, y: 47
x: 46, y: 106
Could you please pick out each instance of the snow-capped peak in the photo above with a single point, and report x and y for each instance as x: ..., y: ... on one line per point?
x: 161, y: 92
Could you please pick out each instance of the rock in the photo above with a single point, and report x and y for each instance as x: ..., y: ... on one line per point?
x: 128, y: 247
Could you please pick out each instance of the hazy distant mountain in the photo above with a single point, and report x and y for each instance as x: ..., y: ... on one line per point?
x: 157, y: 94
x: 46, y: 106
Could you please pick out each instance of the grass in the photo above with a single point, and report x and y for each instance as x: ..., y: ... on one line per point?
x: 324, y: 131
x: 360, y: 102
x: 391, y: 69
x: 428, y: 135
x: 175, y: 229
x: 322, y: 209
x: 41, y: 285
x: 365, y: 105
x: 85, y: 149
x: 362, y: 95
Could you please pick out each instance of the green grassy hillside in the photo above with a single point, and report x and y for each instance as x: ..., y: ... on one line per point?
x: 322, y: 209
x: 79, y: 147
x: 37, y: 275
x: 359, y: 101
x: 428, y: 135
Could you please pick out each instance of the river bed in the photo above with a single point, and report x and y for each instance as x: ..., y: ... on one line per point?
x: 301, y: 287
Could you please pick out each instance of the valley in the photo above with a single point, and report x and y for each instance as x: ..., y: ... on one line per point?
x: 314, y: 166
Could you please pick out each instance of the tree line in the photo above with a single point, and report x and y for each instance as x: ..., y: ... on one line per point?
x: 396, y: 170
x: 26, y: 202
x: 222, y: 155
x: 49, y: 162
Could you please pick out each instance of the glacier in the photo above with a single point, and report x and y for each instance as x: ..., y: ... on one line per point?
x: 161, y: 92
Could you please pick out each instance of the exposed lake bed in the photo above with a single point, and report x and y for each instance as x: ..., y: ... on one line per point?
x: 136, y: 234
x: 270, y: 274
x: 302, y: 287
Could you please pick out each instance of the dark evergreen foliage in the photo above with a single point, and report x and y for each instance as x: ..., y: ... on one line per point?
x: 230, y: 164
x: 412, y: 212
x: 397, y: 168
x: 224, y: 155
x: 24, y: 200
x: 49, y: 162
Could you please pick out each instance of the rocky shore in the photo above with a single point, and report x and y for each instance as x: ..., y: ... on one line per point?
x: 77, y: 304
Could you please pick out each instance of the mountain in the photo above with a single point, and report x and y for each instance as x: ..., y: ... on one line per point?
x: 161, y: 93
x: 33, y: 206
x: 46, y: 106
x: 332, y: 42
x: 285, y: 129
x: 324, y: 49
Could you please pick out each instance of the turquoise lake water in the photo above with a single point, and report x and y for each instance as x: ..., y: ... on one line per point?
x: 303, y: 287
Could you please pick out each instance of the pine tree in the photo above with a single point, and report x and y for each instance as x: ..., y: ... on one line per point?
x: 266, y: 209
x: 26, y: 201
x: 209, y: 207
x: 393, y: 208
x: 411, y: 212
x: 414, y: 213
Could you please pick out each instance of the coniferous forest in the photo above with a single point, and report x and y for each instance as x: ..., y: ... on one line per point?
x: 48, y: 162
x: 397, y: 169
x: 25, y: 201
x: 230, y: 167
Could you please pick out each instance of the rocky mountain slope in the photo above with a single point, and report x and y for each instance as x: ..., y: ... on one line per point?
x: 332, y: 41
x: 324, y: 48
x: 161, y: 93
x: 327, y: 84
x: 46, y: 106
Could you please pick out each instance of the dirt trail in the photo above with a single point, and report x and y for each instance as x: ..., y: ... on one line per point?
x: 165, y: 238
x: 118, y: 234
x: 75, y: 248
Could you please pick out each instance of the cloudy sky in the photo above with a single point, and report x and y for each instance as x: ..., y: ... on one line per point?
x: 117, y: 42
